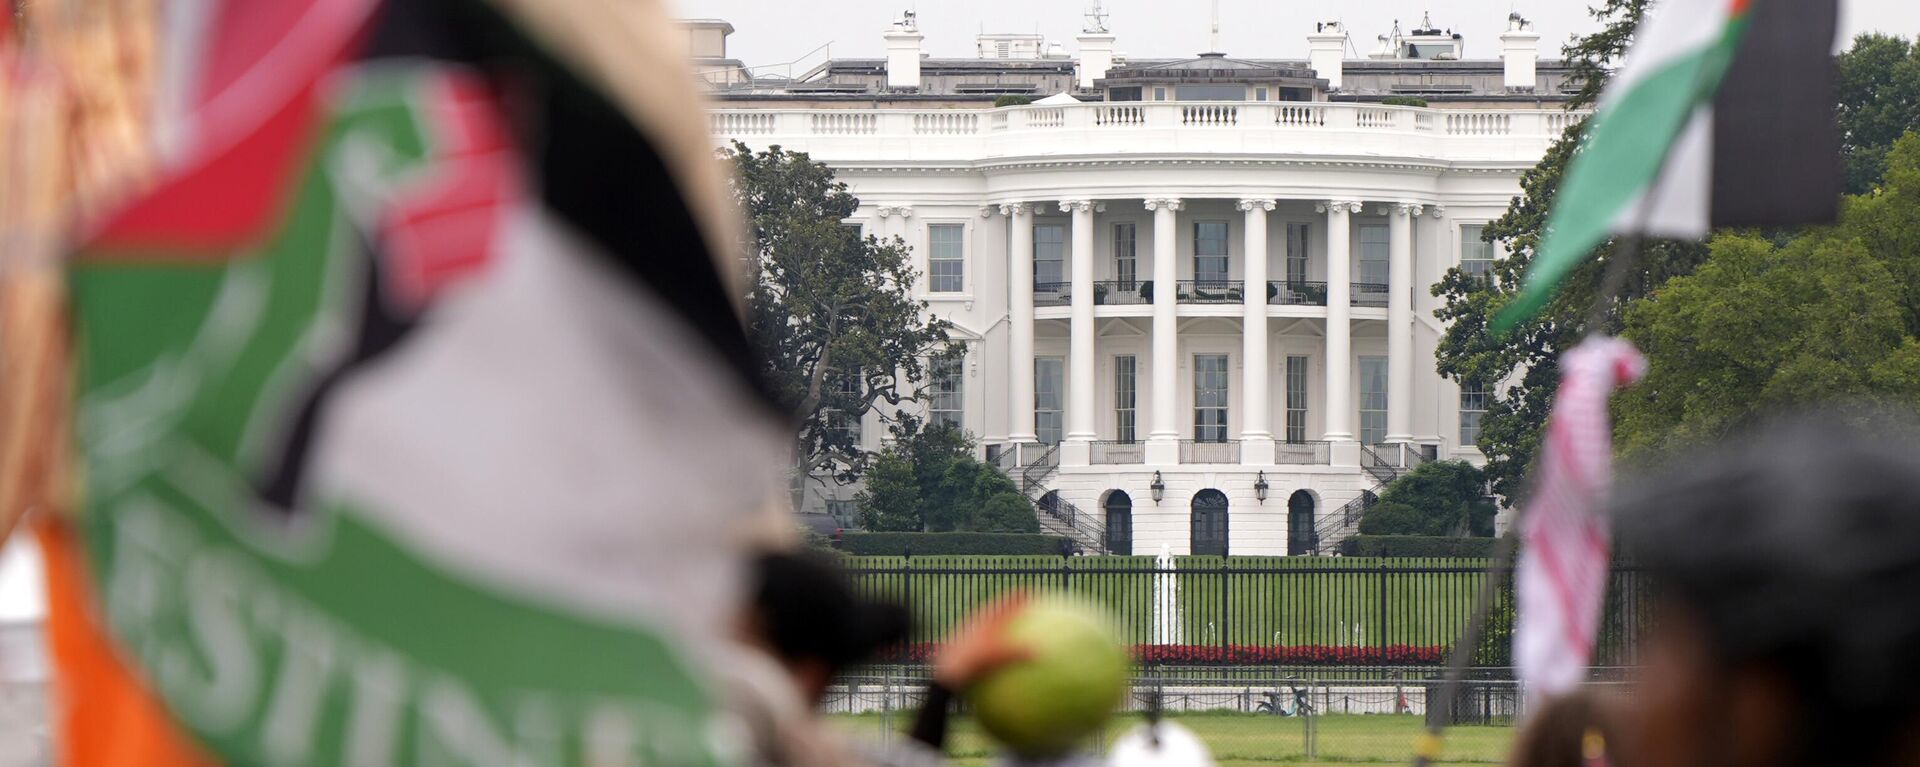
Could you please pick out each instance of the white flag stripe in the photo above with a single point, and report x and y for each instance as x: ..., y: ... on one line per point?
x: 1682, y: 195
x: 1673, y: 29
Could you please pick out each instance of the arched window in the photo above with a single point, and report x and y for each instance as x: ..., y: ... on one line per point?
x: 1210, y: 523
x: 1119, y: 508
x: 1302, y: 537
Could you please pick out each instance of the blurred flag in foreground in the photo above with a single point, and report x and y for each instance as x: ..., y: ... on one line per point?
x: 1722, y: 116
x: 417, y: 419
x: 1565, y: 534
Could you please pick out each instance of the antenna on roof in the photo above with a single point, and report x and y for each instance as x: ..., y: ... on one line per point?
x: 1096, y: 18
x: 1213, y: 41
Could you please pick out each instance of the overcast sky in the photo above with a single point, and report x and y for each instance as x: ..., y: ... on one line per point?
x: 776, y: 31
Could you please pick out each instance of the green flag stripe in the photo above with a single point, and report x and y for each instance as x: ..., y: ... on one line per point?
x: 1625, y: 149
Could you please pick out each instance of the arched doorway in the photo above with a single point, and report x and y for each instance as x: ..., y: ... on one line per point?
x: 1119, y: 508
x: 1209, y: 523
x: 1302, y: 538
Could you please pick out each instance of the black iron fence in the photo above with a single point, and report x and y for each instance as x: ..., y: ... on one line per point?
x: 1249, y: 611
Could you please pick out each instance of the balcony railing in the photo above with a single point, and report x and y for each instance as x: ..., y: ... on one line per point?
x: 1122, y: 293
x: 1297, y: 293
x: 1371, y: 294
x: 1197, y: 451
x: 1104, y: 129
x: 1303, y: 453
x: 1052, y: 293
x: 1212, y: 291
x: 1119, y: 453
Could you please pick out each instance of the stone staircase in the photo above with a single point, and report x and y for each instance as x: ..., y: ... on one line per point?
x: 1383, y: 466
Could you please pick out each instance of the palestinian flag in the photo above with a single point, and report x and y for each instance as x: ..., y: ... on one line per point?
x: 418, y: 420
x: 1722, y: 116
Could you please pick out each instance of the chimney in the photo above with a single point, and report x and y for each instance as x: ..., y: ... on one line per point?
x: 903, y: 52
x: 1520, y: 50
x: 1327, y: 50
x: 1096, y: 56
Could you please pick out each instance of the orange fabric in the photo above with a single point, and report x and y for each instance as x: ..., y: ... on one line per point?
x: 104, y: 714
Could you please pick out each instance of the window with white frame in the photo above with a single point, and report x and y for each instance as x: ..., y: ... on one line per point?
x: 1297, y: 242
x: 948, y: 403
x: 1049, y: 398
x: 1210, y: 397
x: 1473, y: 407
x: 1210, y: 253
x: 844, y: 512
x: 1049, y: 256
x: 1373, y: 400
x: 846, y: 399
x: 1296, y: 399
x: 1476, y: 254
x: 1374, y: 255
x: 1125, y: 399
x: 1126, y: 266
x: 946, y: 258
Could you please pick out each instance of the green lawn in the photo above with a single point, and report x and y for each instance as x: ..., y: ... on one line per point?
x: 1249, y: 739
x: 1243, y: 600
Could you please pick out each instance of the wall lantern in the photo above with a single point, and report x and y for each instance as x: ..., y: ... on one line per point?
x: 1260, y: 487
x: 1159, y: 488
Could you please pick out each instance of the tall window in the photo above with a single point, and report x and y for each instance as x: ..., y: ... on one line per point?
x: 1373, y: 254
x: 1209, y: 528
x: 1126, y: 268
x: 1473, y: 405
x: 1476, y: 255
x: 1049, y: 254
x: 1210, y: 397
x: 1049, y: 387
x: 1210, y: 251
x: 1296, y: 399
x: 846, y: 390
x: 1125, y: 397
x: 949, y: 393
x: 1119, y: 507
x: 946, y: 259
x: 1297, y: 253
x: 1373, y: 400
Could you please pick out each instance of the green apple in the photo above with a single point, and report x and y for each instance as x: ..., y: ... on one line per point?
x: 1075, y: 675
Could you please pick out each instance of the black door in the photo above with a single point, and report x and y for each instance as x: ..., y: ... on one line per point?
x: 1302, y: 538
x: 1119, y: 523
x: 1210, y: 523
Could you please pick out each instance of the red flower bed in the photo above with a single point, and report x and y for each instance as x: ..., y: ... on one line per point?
x: 1237, y: 655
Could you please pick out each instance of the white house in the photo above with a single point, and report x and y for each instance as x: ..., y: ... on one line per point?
x: 1195, y: 293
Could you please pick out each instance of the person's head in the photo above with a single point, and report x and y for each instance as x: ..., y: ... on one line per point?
x: 1574, y: 730
x: 806, y: 615
x: 1787, y: 568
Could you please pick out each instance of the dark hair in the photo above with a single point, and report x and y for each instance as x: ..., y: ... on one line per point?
x: 1555, y: 735
x: 808, y: 612
x: 1796, y: 546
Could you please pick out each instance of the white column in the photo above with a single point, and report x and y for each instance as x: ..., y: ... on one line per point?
x: 1340, y: 413
x: 1080, y: 376
x: 1163, y: 441
x: 1400, y: 321
x: 1256, y: 419
x: 1020, y: 314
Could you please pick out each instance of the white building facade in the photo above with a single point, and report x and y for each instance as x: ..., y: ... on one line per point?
x: 1195, y: 295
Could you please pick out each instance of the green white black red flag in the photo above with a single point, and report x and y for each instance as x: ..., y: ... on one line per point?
x: 1722, y: 116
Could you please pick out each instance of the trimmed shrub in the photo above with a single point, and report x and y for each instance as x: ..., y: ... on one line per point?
x: 1012, y: 100
x: 1403, y: 101
x: 1416, y: 546
x: 930, y: 544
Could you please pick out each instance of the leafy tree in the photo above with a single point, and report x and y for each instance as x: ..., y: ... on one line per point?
x: 928, y: 480
x: 1879, y: 100
x: 833, y: 313
x: 1831, y: 316
x: 890, y: 501
x: 1439, y: 498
